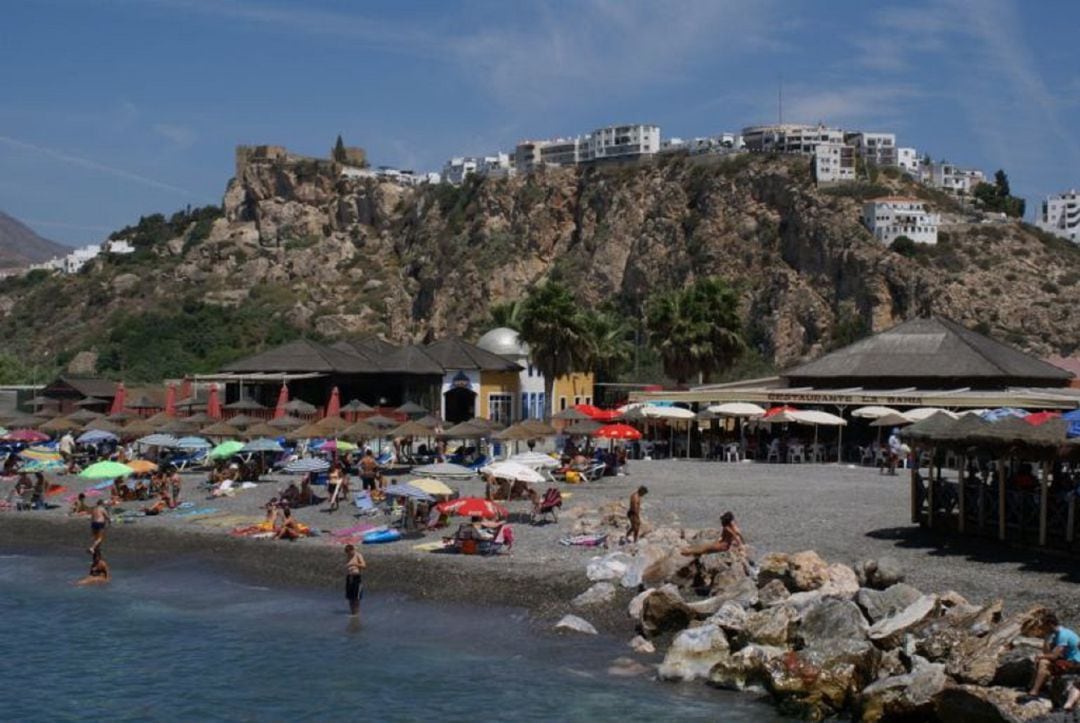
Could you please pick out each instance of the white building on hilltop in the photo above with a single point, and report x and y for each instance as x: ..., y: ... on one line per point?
x: 789, y: 138
x: 627, y: 141
x: 834, y: 163
x: 908, y: 160
x: 1060, y: 215
x: 950, y: 178
x: 876, y: 148
x: 890, y: 217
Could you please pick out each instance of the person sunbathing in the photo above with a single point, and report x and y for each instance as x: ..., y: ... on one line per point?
x: 79, y: 506
x: 158, y: 507
x: 731, y: 538
x: 290, y: 528
x: 291, y: 495
x: 99, y: 571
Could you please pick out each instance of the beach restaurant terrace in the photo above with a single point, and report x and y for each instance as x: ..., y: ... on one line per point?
x: 927, y: 362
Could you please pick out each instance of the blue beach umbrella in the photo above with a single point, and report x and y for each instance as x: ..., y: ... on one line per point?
x: 193, y: 443
x: 95, y: 436
x: 158, y: 440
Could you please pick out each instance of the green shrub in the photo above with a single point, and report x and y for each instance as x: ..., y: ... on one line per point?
x: 904, y: 246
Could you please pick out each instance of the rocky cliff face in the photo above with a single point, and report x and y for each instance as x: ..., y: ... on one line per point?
x: 345, y: 256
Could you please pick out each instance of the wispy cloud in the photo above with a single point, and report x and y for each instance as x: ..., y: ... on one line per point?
x: 841, y: 104
x: 180, y: 136
x: 79, y: 161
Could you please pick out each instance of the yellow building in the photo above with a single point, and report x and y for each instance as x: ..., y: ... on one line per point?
x: 512, y: 396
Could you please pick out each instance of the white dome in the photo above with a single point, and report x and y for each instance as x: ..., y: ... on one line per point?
x: 504, y: 342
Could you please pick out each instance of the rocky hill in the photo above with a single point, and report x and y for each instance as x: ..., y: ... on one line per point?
x: 299, y: 249
x: 20, y: 246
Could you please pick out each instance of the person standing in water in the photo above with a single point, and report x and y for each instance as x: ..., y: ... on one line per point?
x: 99, y: 517
x: 99, y: 570
x: 354, y: 584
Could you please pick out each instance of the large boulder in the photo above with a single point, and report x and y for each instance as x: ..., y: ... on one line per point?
x: 799, y: 572
x: 608, y: 567
x: 731, y: 617
x: 575, y: 624
x: 910, y: 696
x: 819, y: 682
x: 708, y: 606
x: 936, y: 637
x: 674, y: 567
x: 693, y: 653
x: 744, y: 667
x: 771, y: 626
x: 743, y: 592
x: 976, y: 659
x: 978, y: 704
x: 879, y: 574
x: 773, y: 592
x: 830, y: 620
x: 878, y: 604
x: 1016, y: 664
x: 664, y: 611
x: 642, y: 646
x: 773, y: 566
x: 840, y: 581
x: 637, y: 604
x: 648, y: 555
x: 599, y: 594
x: 889, y: 632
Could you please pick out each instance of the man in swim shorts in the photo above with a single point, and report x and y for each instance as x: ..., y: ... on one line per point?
x: 354, y: 584
x: 369, y: 470
x: 634, y: 513
x: 99, y: 517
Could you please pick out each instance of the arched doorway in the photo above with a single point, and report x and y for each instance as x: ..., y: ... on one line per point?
x: 460, y: 404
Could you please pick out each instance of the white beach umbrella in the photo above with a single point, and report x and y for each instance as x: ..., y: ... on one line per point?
x: 443, y: 469
x: 513, y: 471
x: 873, y: 412
x: 307, y: 464
x: 813, y: 416
x: 921, y: 413
x: 650, y: 411
x: 737, y: 409
x: 535, y: 460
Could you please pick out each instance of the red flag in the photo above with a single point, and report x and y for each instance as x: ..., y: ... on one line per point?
x: 333, y: 407
x: 213, y: 405
x: 282, y: 400
x: 119, y: 400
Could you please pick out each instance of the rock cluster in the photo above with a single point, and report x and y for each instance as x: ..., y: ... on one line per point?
x: 823, y: 639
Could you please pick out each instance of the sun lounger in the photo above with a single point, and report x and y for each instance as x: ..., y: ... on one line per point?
x: 364, y: 504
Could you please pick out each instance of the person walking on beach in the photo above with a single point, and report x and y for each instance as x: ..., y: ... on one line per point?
x: 354, y: 584
x: 99, y: 517
x: 896, y: 449
x: 369, y: 471
x: 633, y: 514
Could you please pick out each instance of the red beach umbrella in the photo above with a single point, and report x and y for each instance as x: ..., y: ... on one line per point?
x: 333, y: 407
x: 213, y: 404
x: 119, y: 400
x: 282, y: 400
x: 617, y: 431
x: 1041, y: 418
x: 780, y: 415
x: 598, y: 414
x: 473, y: 507
x: 170, y: 401
x: 26, y: 436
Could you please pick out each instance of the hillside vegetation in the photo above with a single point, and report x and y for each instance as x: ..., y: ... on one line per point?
x: 295, y: 250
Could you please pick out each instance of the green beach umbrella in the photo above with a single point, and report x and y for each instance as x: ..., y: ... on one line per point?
x: 226, y: 449
x: 106, y: 470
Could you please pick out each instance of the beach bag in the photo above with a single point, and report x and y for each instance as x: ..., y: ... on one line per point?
x: 573, y: 477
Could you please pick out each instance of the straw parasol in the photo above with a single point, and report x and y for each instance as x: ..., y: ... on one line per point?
x: 221, y: 430
x: 381, y: 422
x: 140, y: 428
x: 411, y: 408
x: 484, y: 423
x: 356, y: 406
x: 331, y: 426
x: 158, y: 418
x: 892, y: 419
x: 430, y: 421
x: 516, y: 433
x: 299, y: 406
x: 583, y: 427
x: 178, y: 426
x: 91, y: 402
x: 121, y: 417
x: 245, y: 405
x: 410, y: 429
x: 930, y: 428
x: 102, y: 424
x: 198, y: 418
x: 47, y: 413
x: 242, y: 420
x: 361, y: 430
x: 539, y: 428
x: 263, y: 429
x: 465, y: 430
x: 571, y: 415
x: 82, y: 416
x: 283, y: 424
x: 60, y: 424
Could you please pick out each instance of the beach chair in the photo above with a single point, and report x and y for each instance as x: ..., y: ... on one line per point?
x: 184, y: 461
x: 385, y: 458
x: 364, y: 504
x: 549, y: 505
x: 595, y: 471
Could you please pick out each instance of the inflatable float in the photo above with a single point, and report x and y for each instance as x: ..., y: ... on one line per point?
x: 380, y: 536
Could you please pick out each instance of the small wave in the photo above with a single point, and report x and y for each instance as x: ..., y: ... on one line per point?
x: 247, y: 587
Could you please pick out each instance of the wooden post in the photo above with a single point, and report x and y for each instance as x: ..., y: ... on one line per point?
x: 1001, y: 498
x: 1044, y: 496
x: 960, y: 494
x: 914, y: 493
x: 929, y: 488
x: 1071, y: 522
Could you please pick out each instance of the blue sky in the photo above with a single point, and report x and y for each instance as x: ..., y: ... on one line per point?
x: 114, y: 108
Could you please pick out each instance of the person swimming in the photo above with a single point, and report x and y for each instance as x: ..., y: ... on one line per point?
x: 99, y: 571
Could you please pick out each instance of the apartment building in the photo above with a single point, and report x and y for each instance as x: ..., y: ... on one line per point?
x: 890, y: 217
x: 876, y: 148
x: 1060, y: 215
x: 789, y: 138
x: 908, y: 160
x: 950, y: 178
x: 625, y: 141
x: 834, y: 163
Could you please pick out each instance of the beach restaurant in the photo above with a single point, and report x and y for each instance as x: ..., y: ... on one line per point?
x: 921, y: 364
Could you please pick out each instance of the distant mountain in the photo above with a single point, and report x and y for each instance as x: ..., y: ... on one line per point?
x: 20, y: 246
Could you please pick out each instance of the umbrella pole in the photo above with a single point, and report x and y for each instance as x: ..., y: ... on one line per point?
x: 814, y: 451
x: 840, y: 444
x: 689, y: 428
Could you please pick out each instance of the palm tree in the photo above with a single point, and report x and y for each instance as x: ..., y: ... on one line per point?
x: 552, y: 327
x: 507, y: 314
x: 695, y: 330
x: 610, y: 351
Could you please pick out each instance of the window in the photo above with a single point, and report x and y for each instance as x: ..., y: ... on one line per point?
x: 525, y: 405
x: 500, y: 407
x: 588, y: 400
x: 577, y: 401
x: 562, y: 403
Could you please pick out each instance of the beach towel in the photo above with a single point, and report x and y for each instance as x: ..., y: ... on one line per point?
x: 55, y: 490
x: 585, y: 540
x: 429, y: 546
x: 354, y: 530
x: 201, y: 512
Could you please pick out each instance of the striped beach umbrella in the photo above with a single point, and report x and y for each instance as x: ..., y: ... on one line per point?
x: 307, y: 464
x: 158, y: 440
x: 193, y: 443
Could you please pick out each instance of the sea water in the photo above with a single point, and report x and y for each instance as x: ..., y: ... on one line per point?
x: 183, y: 641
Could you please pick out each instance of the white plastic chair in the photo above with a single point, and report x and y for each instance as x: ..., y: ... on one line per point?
x: 774, y: 451
x: 732, y: 453
x: 796, y: 453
